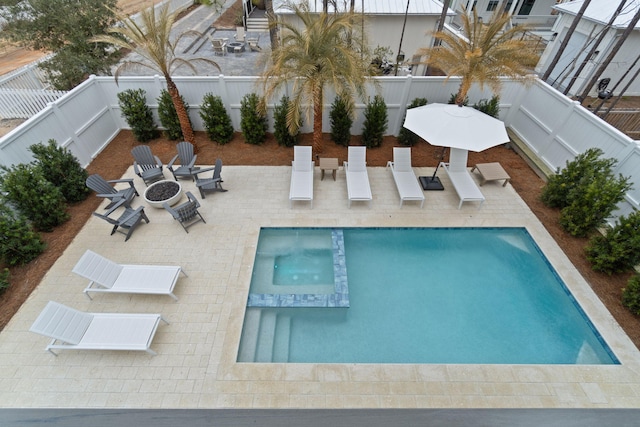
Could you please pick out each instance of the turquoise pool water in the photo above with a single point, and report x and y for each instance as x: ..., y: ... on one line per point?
x: 425, y: 295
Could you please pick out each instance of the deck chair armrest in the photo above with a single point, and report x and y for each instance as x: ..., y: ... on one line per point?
x: 192, y: 163
x: 110, y: 195
x: 204, y: 170
x: 172, y: 211
x: 128, y: 181
x: 170, y: 165
x: 208, y: 181
x: 158, y: 162
x: 136, y: 169
x: 122, y: 202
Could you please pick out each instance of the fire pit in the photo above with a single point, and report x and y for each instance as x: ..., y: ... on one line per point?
x: 163, y: 191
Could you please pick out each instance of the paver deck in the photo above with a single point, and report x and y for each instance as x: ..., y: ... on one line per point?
x: 195, y: 366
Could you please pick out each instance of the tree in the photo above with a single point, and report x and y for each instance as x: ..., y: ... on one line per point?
x: 151, y: 39
x: 57, y: 26
x: 319, y: 53
x: 484, y: 54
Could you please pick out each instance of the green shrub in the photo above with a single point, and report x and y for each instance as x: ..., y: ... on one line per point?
x: 280, y: 128
x: 62, y: 168
x: 4, y: 279
x: 138, y: 115
x: 341, y: 121
x: 631, y: 294
x: 252, y: 121
x: 38, y: 199
x: 406, y: 137
x: 592, y: 202
x: 375, y: 122
x: 490, y: 107
x: 216, y: 120
x: 169, y: 116
x: 618, y: 250
x: 580, y: 171
x: 19, y: 243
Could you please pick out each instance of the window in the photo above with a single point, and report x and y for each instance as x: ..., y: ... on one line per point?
x: 492, y: 5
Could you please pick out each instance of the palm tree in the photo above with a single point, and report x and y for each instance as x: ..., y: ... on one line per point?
x: 316, y: 54
x: 484, y: 54
x: 151, y: 39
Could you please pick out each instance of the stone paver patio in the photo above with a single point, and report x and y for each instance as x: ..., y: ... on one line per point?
x: 195, y: 366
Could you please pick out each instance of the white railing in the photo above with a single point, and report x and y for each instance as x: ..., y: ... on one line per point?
x: 553, y: 127
x: 25, y: 91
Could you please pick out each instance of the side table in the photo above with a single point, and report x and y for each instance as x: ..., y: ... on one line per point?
x: 491, y: 172
x: 327, y: 163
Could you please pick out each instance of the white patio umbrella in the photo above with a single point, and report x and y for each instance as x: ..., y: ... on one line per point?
x: 457, y: 127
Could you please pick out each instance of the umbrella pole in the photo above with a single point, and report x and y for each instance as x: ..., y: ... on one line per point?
x: 432, y: 183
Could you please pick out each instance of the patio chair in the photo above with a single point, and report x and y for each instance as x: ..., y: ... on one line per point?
x: 187, y: 213
x: 461, y: 179
x: 146, y: 165
x: 78, y: 330
x: 301, y: 175
x: 358, y: 188
x: 219, y: 46
x: 253, y: 44
x: 403, y: 176
x: 103, y: 188
x: 127, y: 221
x: 187, y: 161
x: 240, y: 34
x: 109, y: 277
x: 214, y: 183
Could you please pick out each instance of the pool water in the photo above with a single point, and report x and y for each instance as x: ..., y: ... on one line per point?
x: 303, y: 267
x: 433, y: 295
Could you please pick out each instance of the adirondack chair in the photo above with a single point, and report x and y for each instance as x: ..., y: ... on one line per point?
x: 103, y: 188
x: 210, y: 184
x: 146, y: 165
x: 187, y: 161
x: 127, y: 221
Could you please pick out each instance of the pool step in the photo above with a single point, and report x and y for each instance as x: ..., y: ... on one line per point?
x: 281, y: 342
x: 264, y: 349
x: 249, y: 342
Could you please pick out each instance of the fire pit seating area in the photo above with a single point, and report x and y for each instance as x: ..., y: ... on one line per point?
x: 161, y: 192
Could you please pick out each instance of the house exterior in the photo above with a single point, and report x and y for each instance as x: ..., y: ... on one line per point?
x: 593, y: 22
x: 385, y: 20
x: 532, y: 12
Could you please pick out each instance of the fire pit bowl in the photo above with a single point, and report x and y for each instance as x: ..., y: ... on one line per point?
x: 163, y: 191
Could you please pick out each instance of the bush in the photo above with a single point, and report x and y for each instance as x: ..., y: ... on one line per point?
x: 4, y: 280
x: 62, y: 168
x: 490, y: 107
x: 618, y: 250
x: 406, y: 137
x: 216, y: 120
x: 581, y: 170
x: 591, y: 203
x: 169, y: 116
x: 341, y: 121
x: 19, y: 243
x: 252, y: 121
x: 38, y: 199
x: 586, y: 190
x: 375, y: 122
x: 281, y: 130
x: 138, y: 115
x: 631, y: 294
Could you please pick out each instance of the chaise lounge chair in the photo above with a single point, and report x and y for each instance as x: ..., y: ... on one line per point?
x: 406, y: 181
x: 358, y: 188
x: 461, y: 179
x: 301, y: 176
x: 110, y: 277
x: 78, y: 330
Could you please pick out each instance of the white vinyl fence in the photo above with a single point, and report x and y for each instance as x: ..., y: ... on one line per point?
x: 552, y: 126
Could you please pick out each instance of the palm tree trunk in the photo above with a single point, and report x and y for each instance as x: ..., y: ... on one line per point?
x: 183, y: 116
x: 565, y: 41
x: 465, y: 85
x: 317, y: 120
x: 273, y: 29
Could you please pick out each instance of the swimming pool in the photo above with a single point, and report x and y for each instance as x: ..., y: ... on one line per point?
x: 417, y: 295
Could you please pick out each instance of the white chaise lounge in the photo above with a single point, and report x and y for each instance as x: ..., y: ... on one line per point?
x: 405, y: 179
x: 301, y: 175
x: 358, y: 188
x: 108, y: 276
x: 462, y: 181
x: 77, y: 330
